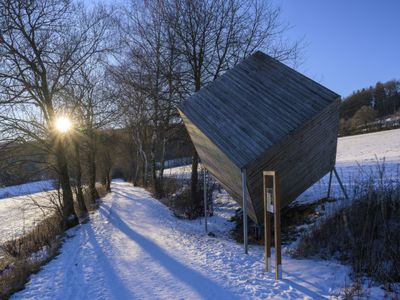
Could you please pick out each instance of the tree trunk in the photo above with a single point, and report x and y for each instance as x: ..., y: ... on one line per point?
x: 194, y: 177
x: 144, y: 171
x: 154, y: 166
x: 69, y: 217
x: 93, y: 195
x: 136, y: 176
x: 162, y: 166
x: 79, y: 191
x: 144, y: 166
x: 108, y: 181
x: 195, y: 157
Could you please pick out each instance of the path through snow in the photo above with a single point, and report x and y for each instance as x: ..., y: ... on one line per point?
x: 134, y: 249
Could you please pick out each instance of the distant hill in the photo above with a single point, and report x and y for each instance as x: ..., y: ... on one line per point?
x: 371, y: 109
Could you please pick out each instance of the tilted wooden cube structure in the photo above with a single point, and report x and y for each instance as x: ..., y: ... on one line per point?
x: 263, y: 115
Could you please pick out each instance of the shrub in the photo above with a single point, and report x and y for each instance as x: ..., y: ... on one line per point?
x: 101, y: 192
x: 185, y: 207
x: 179, y: 198
x: 365, y: 234
x: 25, y: 255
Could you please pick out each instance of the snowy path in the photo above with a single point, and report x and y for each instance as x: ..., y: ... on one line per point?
x: 134, y: 249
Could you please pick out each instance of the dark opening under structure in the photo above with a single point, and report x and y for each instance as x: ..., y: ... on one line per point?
x: 263, y: 115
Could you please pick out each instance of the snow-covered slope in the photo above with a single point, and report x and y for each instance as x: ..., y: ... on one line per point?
x: 358, y: 158
x: 20, y: 214
x: 354, y: 150
x: 26, y: 188
x: 367, y: 147
x: 134, y: 249
x: 19, y: 210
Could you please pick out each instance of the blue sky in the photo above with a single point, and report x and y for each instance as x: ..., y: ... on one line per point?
x: 349, y: 44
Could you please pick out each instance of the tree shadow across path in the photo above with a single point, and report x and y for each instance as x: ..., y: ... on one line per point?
x: 204, y: 287
x: 117, y: 288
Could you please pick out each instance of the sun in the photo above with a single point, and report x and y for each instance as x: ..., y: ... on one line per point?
x: 63, y: 124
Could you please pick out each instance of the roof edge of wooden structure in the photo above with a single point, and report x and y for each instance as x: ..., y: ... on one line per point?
x: 241, y: 155
x: 283, y: 139
x: 334, y: 94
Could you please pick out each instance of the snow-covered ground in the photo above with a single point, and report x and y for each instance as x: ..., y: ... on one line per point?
x: 20, y: 214
x: 133, y: 248
x: 26, y: 188
x: 384, y: 144
x: 358, y: 158
x: 19, y: 211
x: 182, y: 172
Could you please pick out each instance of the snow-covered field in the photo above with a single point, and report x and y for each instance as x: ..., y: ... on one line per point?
x: 19, y: 215
x: 27, y: 205
x: 135, y: 249
x: 384, y: 144
x: 358, y: 158
x: 26, y: 188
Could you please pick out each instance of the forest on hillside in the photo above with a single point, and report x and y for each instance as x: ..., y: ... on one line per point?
x: 367, y: 109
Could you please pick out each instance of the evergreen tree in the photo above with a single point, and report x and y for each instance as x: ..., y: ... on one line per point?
x: 380, y: 98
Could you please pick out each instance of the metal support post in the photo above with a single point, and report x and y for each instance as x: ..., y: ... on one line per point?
x: 340, y: 183
x: 329, y: 185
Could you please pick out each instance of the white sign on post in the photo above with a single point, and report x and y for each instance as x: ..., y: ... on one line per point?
x: 270, y: 199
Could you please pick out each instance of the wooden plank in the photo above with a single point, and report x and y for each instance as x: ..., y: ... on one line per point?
x: 311, y: 146
x: 219, y: 165
x: 277, y: 225
x: 264, y: 115
x: 267, y: 226
x: 255, y: 105
x: 244, y: 205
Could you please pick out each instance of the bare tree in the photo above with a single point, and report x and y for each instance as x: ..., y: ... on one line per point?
x: 94, y: 109
x: 173, y: 48
x: 214, y: 35
x: 107, y: 153
x: 135, y: 117
x: 148, y: 71
x: 42, y: 45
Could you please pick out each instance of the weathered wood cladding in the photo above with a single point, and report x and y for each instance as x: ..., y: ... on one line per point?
x: 262, y: 115
x: 236, y: 111
x: 218, y: 164
x: 301, y: 159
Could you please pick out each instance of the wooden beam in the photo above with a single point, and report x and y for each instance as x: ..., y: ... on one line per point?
x: 244, y: 197
x: 267, y: 228
x: 277, y: 223
x: 205, y: 198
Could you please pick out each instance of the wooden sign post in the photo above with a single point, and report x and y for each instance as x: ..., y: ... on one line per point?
x: 272, y: 205
x: 244, y: 194
x: 205, y: 198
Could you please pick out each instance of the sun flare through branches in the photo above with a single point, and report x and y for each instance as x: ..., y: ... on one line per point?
x: 63, y: 124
